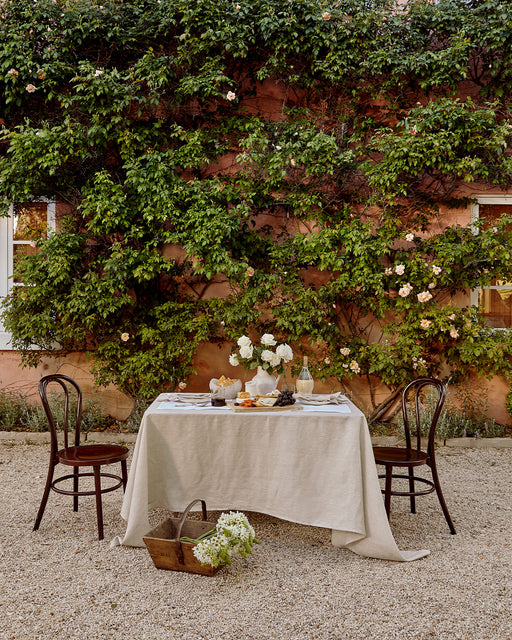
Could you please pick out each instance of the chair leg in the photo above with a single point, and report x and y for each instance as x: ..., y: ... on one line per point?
x: 75, y: 488
x: 437, y: 485
x: 46, y: 493
x: 387, y: 489
x: 124, y: 473
x: 99, y: 508
x: 411, y: 490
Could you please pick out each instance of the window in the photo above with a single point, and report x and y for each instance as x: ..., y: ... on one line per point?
x: 496, y: 299
x: 26, y: 223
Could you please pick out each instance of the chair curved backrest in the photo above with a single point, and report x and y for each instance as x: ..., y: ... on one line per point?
x: 417, y: 386
x: 66, y: 384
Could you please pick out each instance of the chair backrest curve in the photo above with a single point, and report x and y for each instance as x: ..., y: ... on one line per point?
x: 417, y: 386
x: 66, y: 384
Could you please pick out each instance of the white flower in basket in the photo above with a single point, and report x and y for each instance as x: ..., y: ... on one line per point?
x: 232, y: 535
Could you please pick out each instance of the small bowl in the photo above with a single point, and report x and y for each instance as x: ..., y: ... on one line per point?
x: 229, y: 392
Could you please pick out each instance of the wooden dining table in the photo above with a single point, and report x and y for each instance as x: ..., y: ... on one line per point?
x: 309, y: 464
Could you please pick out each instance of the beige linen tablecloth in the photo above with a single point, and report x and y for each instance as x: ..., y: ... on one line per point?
x: 312, y: 467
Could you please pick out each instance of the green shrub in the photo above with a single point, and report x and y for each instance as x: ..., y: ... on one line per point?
x: 18, y: 413
x: 463, y: 415
x: 12, y: 410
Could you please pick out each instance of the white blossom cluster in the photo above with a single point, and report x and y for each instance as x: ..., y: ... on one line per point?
x: 251, y: 356
x: 234, y: 535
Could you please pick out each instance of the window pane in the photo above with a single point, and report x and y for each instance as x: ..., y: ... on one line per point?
x: 29, y: 221
x: 497, y: 306
x: 492, y: 212
x: 18, y: 251
x: 496, y: 303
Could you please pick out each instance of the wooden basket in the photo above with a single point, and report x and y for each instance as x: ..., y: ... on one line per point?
x: 166, y: 550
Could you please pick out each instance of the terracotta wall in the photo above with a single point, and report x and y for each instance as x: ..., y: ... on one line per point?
x: 212, y: 362
x: 14, y: 377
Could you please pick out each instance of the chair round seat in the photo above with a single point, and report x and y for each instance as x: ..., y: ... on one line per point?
x: 92, y: 454
x: 399, y: 456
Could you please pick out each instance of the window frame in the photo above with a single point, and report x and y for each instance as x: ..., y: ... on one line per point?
x: 7, y: 256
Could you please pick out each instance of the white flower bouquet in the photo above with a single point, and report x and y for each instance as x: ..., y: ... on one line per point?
x: 233, y: 534
x: 251, y: 356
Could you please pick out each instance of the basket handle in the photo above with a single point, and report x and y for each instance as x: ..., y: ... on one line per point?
x: 182, y: 522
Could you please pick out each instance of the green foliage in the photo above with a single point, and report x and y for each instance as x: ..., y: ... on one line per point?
x: 18, y: 413
x: 463, y: 415
x: 436, y: 145
x: 236, y: 168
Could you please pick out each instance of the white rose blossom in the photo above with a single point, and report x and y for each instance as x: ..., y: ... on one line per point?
x: 284, y: 351
x: 233, y: 360
x: 354, y: 366
x: 246, y: 351
x: 268, y: 340
x: 400, y: 269
x: 275, y: 361
x: 404, y: 291
x: 424, y: 296
x: 409, y: 237
x: 244, y: 341
x: 344, y: 351
x: 267, y: 355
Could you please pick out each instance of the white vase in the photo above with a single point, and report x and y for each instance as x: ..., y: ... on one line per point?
x: 263, y: 382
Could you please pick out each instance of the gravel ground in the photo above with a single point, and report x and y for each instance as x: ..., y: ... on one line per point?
x: 62, y: 582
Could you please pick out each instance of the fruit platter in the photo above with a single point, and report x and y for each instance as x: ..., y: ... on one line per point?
x: 275, y: 401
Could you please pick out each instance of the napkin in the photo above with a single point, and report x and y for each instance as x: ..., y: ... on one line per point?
x: 186, y: 398
x: 321, y: 398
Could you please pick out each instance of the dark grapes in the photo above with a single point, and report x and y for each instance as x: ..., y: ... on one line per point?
x: 284, y: 399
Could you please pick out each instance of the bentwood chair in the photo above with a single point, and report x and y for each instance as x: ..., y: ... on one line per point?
x: 77, y: 455
x: 410, y: 457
